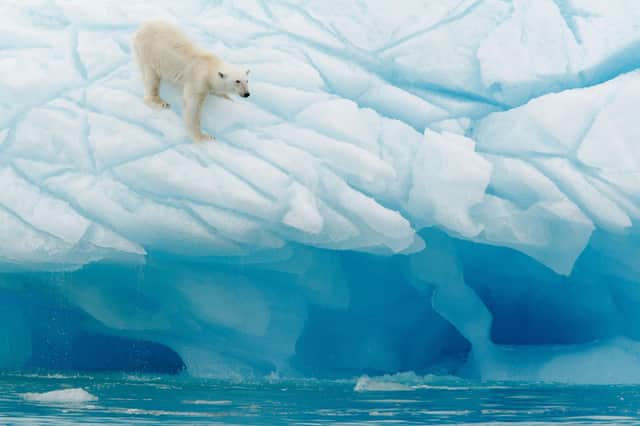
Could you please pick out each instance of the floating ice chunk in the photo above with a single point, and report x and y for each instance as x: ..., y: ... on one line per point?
x: 407, y: 381
x: 64, y: 396
x: 366, y: 384
x: 208, y: 402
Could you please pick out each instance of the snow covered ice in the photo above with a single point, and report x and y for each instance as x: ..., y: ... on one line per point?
x: 450, y: 186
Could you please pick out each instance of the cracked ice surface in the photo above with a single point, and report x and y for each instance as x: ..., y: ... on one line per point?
x: 505, y: 123
x: 332, y: 150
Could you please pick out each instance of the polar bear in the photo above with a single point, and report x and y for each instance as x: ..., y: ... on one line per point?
x: 165, y: 52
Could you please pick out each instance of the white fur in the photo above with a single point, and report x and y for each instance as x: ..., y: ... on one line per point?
x: 165, y: 52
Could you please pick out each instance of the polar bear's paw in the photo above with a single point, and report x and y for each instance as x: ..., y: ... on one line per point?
x: 156, y: 103
x: 203, y: 137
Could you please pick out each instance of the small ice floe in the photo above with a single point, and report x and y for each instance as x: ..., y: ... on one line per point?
x: 63, y: 396
x: 208, y: 402
x: 408, y: 381
x: 368, y: 384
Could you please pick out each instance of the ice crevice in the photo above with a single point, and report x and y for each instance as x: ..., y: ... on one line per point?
x: 447, y: 187
x: 452, y: 17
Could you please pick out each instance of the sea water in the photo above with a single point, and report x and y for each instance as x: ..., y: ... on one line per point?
x: 60, y: 399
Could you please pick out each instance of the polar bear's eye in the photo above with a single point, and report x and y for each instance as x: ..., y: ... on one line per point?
x: 237, y: 81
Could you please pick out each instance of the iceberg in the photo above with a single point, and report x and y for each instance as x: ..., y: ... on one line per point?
x: 449, y: 187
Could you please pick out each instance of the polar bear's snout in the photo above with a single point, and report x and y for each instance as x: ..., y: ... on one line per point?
x: 243, y: 86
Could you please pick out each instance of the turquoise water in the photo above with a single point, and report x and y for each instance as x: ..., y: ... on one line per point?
x: 137, y: 400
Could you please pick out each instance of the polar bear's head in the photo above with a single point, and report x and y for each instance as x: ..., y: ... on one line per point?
x: 232, y: 80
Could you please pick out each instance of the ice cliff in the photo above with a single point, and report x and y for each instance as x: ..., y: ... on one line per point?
x: 446, y: 186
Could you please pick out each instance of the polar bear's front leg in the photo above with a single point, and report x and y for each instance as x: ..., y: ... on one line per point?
x: 152, y: 89
x: 192, y: 110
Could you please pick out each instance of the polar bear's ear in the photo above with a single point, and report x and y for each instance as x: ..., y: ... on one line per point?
x: 221, y: 75
x: 248, y: 72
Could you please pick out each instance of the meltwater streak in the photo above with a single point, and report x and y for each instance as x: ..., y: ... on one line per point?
x: 422, y: 400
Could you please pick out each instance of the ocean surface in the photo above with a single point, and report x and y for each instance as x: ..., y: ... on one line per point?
x: 33, y: 399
